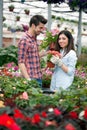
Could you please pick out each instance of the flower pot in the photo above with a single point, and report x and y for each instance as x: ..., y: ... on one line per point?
x: 52, y: 46
x: 45, y: 86
x: 18, y: 18
x: 11, y: 8
x: 27, y: 12
x: 50, y: 64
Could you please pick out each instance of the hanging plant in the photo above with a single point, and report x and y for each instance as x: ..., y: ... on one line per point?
x: 78, y: 4
x: 22, y: 1
x: 54, y: 1
x: 11, y: 8
x: 27, y: 11
x: 17, y: 18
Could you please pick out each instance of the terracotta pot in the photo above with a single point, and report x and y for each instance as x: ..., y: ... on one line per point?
x: 50, y: 64
x: 17, y: 18
x: 27, y: 12
x: 52, y: 46
x: 11, y: 9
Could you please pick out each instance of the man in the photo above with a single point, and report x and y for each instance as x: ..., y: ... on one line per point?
x: 28, y: 52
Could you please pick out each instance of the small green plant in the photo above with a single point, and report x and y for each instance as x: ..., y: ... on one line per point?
x: 17, y: 18
x: 11, y: 7
x: 27, y: 11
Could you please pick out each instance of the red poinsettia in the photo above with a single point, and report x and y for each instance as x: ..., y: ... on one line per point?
x: 44, y: 114
x: 73, y: 115
x: 85, y: 114
x: 57, y: 112
x: 19, y: 114
x: 36, y: 119
x: 7, y: 121
x: 70, y: 127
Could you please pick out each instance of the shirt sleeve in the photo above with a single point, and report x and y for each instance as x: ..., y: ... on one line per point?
x: 22, y: 50
x: 71, y: 62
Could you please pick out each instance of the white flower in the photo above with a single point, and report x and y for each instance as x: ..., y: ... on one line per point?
x: 50, y: 110
x: 81, y: 115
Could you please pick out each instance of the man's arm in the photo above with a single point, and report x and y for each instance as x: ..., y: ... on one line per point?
x: 23, y: 70
x: 43, y: 53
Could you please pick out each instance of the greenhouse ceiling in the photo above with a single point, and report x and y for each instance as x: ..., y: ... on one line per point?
x: 38, y: 7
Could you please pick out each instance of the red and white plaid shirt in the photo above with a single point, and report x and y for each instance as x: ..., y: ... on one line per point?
x: 28, y: 54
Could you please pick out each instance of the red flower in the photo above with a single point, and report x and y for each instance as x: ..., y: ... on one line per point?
x: 85, y: 114
x: 36, y: 119
x: 8, y: 122
x: 73, y: 115
x: 69, y: 127
x: 57, y: 112
x: 18, y: 114
x: 44, y: 114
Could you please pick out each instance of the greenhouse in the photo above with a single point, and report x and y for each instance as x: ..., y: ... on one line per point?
x: 32, y: 95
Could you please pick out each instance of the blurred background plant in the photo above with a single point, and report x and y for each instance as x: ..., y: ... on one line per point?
x: 49, y: 38
x: 77, y: 4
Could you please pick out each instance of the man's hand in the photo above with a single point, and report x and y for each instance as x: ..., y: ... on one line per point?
x: 29, y: 79
x: 56, y: 60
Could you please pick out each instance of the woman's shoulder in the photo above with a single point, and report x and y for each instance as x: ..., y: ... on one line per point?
x: 72, y: 52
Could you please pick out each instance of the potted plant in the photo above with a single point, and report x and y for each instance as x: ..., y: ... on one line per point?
x: 11, y: 8
x: 50, y: 39
x: 49, y: 63
x: 27, y: 11
x: 46, y: 78
x: 17, y: 18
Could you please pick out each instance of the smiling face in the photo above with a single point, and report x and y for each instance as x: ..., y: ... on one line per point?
x: 63, y: 41
x: 38, y: 29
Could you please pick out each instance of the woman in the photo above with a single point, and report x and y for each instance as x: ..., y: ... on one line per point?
x: 64, y: 70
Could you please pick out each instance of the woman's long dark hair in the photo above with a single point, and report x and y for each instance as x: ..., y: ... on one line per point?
x: 70, y: 45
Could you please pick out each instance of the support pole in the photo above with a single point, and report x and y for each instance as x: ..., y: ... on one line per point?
x: 1, y: 22
x: 79, y: 33
x: 49, y: 17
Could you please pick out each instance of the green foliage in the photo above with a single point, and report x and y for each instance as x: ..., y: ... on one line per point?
x: 43, y: 63
x: 49, y: 57
x: 77, y: 4
x: 17, y: 85
x: 84, y: 49
x: 8, y: 55
x: 74, y: 96
x: 82, y: 59
x: 46, y: 79
x: 48, y: 40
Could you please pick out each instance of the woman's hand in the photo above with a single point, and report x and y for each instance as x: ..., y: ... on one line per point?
x: 55, y: 53
x: 56, y: 60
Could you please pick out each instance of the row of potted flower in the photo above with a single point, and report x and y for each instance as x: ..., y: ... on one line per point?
x: 12, y: 7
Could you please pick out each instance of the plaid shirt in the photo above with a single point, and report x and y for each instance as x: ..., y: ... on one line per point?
x: 28, y: 54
